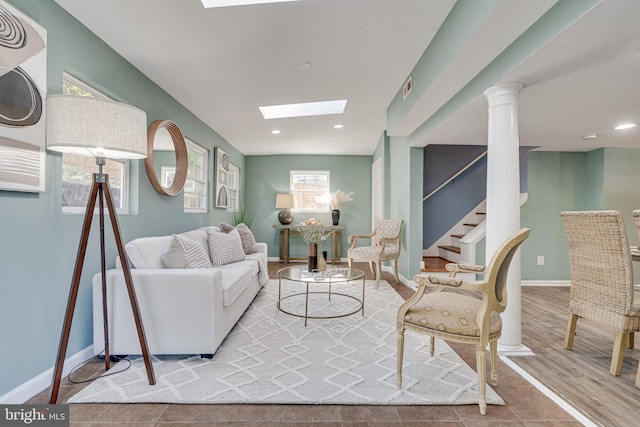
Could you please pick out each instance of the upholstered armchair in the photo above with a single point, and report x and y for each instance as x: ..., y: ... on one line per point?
x: 385, y: 246
x: 466, y: 317
x: 601, y: 278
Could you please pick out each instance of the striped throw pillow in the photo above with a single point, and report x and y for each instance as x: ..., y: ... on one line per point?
x: 225, y: 248
x: 185, y: 253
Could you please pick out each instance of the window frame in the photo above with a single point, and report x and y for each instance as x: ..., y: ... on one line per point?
x: 296, y: 193
x: 204, y: 153
x: 233, y: 170
x: 125, y: 177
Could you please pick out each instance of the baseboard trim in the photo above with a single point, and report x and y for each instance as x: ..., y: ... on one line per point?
x: 546, y: 283
x: 35, y: 385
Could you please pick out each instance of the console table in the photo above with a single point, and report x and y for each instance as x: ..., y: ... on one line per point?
x: 287, y: 230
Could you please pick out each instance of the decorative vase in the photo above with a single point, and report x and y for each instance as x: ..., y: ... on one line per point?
x: 312, y: 258
x: 335, y: 216
x: 322, y: 262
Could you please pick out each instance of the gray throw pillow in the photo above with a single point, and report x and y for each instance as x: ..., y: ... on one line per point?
x: 246, y: 236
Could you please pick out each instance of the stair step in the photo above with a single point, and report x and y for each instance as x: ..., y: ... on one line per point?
x: 434, y: 264
x: 458, y: 236
x: 470, y: 225
x: 481, y: 213
x: 450, y: 248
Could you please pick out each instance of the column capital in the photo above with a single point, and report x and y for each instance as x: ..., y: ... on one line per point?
x: 503, y: 93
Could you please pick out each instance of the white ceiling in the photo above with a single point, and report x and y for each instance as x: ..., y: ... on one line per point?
x: 222, y: 64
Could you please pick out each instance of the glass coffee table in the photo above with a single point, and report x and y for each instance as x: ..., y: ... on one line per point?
x: 303, y: 280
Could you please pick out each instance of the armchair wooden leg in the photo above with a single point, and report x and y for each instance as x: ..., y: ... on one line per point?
x: 377, y: 274
x: 433, y: 346
x: 631, y: 343
x: 395, y: 270
x: 638, y: 377
x: 481, y: 361
x: 571, y: 331
x: 371, y: 267
x: 493, y: 347
x: 618, y: 354
x: 400, y: 357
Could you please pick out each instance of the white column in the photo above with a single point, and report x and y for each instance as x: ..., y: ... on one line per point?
x: 503, y: 202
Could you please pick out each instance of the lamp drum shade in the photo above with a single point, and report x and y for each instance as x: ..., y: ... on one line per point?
x: 284, y: 201
x: 95, y: 127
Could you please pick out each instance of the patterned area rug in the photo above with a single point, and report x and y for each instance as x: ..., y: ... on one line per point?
x: 271, y: 357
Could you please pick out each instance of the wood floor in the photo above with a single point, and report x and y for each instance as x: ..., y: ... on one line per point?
x: 581, y: 376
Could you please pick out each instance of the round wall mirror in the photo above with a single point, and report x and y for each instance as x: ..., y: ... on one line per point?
x: 166, y: 161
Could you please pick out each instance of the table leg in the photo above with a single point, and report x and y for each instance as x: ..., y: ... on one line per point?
x: 333, y: 246
x: 363, y: 283
x: 286, y: 246
x: 306, y: 306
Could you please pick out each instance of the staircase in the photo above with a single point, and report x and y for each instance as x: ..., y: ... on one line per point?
x: 451, y: 250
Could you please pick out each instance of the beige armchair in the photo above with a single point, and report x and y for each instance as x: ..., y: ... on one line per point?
x: 385, y: 246
x: 462, y: 317
x: 601, y: 278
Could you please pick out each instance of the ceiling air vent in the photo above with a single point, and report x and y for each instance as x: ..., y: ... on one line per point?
x: 407, y: 87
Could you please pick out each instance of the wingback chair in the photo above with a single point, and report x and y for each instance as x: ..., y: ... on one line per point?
x: 601, y: 278
x: 463, y: 317
x: 385, y: 246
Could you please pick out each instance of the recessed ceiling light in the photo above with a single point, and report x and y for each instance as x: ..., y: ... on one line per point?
x: 275, y: 132
x: 304, y: 109
x: 589, y: 136
x: 338, y: 126
x: 224, y: 3
x: 305, y: 66
x: 625, y: 126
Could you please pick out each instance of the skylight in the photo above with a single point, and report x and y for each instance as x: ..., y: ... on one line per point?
x: 224, y: 3
x: 304, y: 109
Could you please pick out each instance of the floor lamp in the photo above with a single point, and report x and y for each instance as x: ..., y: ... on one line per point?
x: 101, y: 129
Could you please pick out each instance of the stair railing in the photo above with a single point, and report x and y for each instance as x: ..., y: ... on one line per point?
x: 457, y: 174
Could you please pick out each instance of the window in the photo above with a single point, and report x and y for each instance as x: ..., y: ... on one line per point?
x: 233, y: 188
x: 78, y: 170
x: 195, y: 187
x: 309, y: 189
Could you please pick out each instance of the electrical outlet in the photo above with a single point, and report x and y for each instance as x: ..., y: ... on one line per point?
x: 540, y: 260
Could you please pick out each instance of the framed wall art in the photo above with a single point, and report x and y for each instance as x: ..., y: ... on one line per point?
x: 23, y: 78
x: 222, y: 179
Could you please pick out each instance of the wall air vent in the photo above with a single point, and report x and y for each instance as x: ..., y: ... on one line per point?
x: 407, y: 87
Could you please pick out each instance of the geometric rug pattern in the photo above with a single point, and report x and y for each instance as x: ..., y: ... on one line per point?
x: 271, y: 357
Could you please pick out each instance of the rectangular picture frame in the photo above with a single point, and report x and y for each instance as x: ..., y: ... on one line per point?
x: 23, y: 68
x: 222, y: 178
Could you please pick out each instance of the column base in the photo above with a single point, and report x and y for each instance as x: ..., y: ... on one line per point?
x: 514, y: 350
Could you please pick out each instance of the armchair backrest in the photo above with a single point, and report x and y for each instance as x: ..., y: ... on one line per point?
x: 498, y: 268
x: 600, y: 259
x: 387, y: 229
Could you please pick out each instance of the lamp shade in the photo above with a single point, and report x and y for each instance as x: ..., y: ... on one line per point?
x: 284, y: 201
x: 95, y: 127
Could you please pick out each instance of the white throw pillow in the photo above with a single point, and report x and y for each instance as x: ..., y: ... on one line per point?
x: 225, y: 248
x: 185, y: 253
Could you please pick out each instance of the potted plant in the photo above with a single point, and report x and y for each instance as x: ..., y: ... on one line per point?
x: 336, y: 199
x: 313, y: 233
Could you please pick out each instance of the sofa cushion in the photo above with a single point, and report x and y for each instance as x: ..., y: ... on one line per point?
x: 248, y: 240
x: 185, y: 253
x: 225, y: 248
x: 234, y: 281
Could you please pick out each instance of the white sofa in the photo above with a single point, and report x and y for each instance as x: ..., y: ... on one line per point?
x: 184, y: 310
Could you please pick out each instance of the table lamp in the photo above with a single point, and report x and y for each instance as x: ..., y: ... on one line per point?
x: 284, y: 202
x: 102, y: 129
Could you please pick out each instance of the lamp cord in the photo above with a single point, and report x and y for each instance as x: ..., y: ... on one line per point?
x: 105, y: 374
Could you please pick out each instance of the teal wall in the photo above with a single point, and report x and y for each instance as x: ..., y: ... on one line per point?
x: 269, y: 175
x: 39, y: 244
x: 599, y: 179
